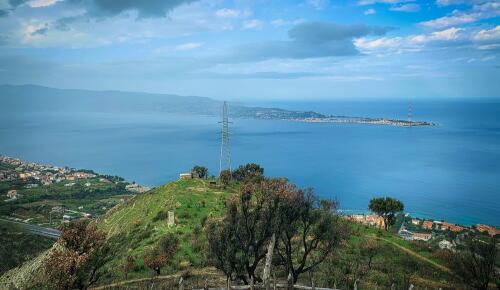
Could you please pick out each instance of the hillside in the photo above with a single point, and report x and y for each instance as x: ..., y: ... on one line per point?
x: 137, y: 225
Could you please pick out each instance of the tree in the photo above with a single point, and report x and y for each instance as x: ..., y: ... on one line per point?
x: 309, y: 231
x: 475, y: 264
x: 80, y: 254
x: 128, y: 266
x: 306, y: 231
x: 249, y: 172
x: 159, y: 256
x: 387, y: 208
x: 200, y: 171
x: 225, y: 177
x: 369, y: 249
x: 241, y: 236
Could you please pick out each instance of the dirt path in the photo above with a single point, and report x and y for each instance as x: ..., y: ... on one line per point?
x: 200, y: 272
x: 416, y: 255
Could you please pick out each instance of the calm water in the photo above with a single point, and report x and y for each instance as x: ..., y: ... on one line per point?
x: 449, y: 172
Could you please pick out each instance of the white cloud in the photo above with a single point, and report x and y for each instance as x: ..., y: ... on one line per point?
x: 253, y: 24
x: 408, y: 43
x: 278, y: 22
x: 42, y: 3
x: 318, y: 4
x: 480, y: 11
x: 188, y: 46
x: 447, y: 34
x: 370, y: 11
x: 487, y: 35
x: 370, y: 2
x: 449, y: 2
x: 447, y: 21
x: 381, y: 43
x: 232, y: 13
x: 411, y: 7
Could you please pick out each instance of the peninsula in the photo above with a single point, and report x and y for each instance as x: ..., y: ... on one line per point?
x: 29, y: 98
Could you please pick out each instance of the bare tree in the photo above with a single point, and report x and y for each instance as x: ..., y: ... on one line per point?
x: 82, y: 253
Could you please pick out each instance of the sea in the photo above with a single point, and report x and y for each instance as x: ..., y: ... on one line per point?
x: 448, y: 172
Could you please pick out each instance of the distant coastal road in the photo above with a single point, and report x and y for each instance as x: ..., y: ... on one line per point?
x: 37, y: 230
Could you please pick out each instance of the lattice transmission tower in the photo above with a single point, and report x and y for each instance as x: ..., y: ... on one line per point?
x: 410, y: 113
x: 225, y: 149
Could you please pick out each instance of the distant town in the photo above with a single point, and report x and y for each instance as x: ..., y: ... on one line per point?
x: 441, y: 234
x: 315, y: 117
x: 46, y: 194
x: 43, y: 174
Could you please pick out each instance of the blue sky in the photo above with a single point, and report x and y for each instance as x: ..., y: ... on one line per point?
x: 256, y: 50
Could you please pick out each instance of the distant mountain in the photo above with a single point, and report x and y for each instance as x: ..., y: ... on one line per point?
x: 38, y: 98
x: 32, y: 98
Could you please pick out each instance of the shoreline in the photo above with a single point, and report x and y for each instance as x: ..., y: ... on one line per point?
x: 140, y: 189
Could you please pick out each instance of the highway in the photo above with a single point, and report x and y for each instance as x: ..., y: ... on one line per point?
x: 37, y: 230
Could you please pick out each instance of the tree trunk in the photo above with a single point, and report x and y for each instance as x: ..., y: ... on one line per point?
x: 266, y: 276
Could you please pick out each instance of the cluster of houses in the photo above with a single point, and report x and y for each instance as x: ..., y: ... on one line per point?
x: 372, y: 220
x: 438, y: 225
x: 39, y: 173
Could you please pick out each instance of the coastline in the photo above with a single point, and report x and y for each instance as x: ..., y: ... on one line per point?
x: 35, y: 171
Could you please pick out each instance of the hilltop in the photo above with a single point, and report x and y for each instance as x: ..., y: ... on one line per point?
x: 137, y: 225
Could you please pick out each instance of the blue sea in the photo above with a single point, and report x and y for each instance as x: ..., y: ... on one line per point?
x: 449, y: 172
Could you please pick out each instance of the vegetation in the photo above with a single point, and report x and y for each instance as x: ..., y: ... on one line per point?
x: 387, y: 208
x: 250, y: 172
x: 36, y: 204
x: 225, y: 177
x: 159, y: 256
x: 233, y: 226
x: 18, y: 246
x: 200, y: 171
x: 77, y: 262
x: 476, y: 264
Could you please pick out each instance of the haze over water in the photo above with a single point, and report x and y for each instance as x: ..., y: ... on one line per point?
x: 447, y: 172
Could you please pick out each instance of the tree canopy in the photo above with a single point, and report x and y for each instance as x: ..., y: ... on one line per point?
x: 248, y: 172
x: 306, y: 230
x: 200, y: 171
x: 387, y: 208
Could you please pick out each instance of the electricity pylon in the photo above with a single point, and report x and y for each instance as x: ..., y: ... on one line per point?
x: 225, y: 149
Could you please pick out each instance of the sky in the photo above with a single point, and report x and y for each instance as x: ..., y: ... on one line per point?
x: 256, y: 49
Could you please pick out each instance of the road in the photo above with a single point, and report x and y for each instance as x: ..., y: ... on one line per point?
x: 37, y: 230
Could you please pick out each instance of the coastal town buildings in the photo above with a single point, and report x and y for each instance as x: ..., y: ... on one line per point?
x: 428, y: 225
x: 368, y: 220
x: 422, y: 237
x: 492, y: 231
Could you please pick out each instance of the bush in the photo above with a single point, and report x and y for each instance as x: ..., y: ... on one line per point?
x: 161, y: 215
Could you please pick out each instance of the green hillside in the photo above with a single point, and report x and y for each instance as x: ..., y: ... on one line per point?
x: 137, y: 225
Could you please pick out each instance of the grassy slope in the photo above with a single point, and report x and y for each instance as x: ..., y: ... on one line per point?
x: 132, y: 228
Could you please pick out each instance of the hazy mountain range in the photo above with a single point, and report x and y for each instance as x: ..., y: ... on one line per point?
x: 27, y: 98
